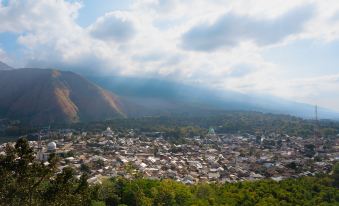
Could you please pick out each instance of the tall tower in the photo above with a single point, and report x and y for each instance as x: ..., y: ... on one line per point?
x: 49, y: 132
x: 39, y: 142
x: 316, y: 113
x: 316, y: 126
x: 40, y: 152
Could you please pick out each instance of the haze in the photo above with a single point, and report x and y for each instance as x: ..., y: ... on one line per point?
x: 282, y: 48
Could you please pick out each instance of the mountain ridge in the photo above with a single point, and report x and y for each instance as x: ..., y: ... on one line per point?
x: 47, y: 96
x: 144, y: 91
x: 44, y: 96
x: 4, y: 66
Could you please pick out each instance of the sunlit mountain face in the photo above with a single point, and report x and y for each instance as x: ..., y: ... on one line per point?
x: 45, y: 96
x: 49, y: 96
x: 163, y: 57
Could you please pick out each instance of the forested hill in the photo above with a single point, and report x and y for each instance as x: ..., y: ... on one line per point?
x: 187, y: 126
x: 227, y: 122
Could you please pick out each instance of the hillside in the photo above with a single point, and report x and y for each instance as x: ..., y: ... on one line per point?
x: 163, y: 97
x: 45, y: 96
x: 4, y: 66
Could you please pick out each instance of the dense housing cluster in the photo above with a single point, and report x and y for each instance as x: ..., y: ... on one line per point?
x: 209, y: 158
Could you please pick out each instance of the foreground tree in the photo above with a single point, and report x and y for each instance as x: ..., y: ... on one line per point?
x: 336, y: 175
x: 26, y: 181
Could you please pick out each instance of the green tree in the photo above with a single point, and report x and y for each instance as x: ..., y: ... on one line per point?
x: 336, y: 175
x: 27, y: 181
x: 22, y: 176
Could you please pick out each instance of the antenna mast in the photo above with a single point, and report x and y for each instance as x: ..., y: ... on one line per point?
x: 316, y: 113
x: 39, y: 142
x: 316, y: 129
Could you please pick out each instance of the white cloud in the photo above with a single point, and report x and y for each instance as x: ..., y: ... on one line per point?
x: 32, y: 16
x: 51, y: 37
x: 3, y: 56
x: 117, y: 26
x: 146, y: 40
x: 317, y: 90
x: 230, y: 30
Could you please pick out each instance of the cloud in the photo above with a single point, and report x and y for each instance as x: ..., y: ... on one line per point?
x: 31, y: 16
x: 115, y: 26
x: 231, y: 29
x: 240, y: 70
x: 319, y: 90
x: 50, y: 37
x: 3, y: 56
x: 164, y: 5
x: 335, y: 17
x: 152, y: 57
x: 164, y: 38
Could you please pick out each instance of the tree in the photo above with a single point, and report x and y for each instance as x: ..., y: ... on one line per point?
x: 85, y: 168
x: 336, y: 175
x: 21, y: 175
x: 66, y: 189
x: 27, y: 181
x: 309, y: 150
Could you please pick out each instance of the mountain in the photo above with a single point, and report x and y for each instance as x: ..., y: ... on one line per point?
x: 163, y: 97
x: 44, y: 96
x: 4, y: 66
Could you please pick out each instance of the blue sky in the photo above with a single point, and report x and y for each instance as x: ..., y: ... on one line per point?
x: 306, y: 58
x: 8, y: 42
x: 91, y: 10
x: 282, y: 48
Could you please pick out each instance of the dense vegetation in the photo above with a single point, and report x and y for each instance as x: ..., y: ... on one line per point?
x: 187, y: 126
x: 228, y: 122
x: 303, y: 191
x: 25, y: 181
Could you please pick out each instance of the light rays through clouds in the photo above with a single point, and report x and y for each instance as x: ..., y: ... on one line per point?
x: 246, y: 46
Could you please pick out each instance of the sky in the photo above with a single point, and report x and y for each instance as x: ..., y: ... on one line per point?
x: 285, y: 48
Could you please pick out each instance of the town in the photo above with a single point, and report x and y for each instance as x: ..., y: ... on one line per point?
x: 212, y: 158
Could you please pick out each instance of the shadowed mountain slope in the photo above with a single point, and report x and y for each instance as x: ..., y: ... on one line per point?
x: 45, y: 96
x: 4, y: 66
x: 163, y: 97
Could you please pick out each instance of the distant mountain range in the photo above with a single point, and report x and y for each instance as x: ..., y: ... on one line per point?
x: 47, y: 96
x: 163, y: 97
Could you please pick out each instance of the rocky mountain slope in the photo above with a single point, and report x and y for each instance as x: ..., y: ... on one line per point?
x: 46, y: 96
